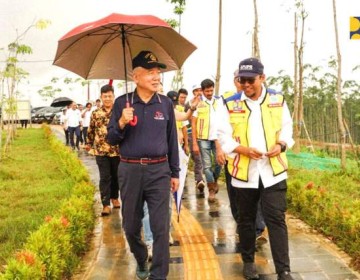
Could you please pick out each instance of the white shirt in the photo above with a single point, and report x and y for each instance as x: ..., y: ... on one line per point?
x: 73, y: 117
x: 86, y: 118
x: 258, y: 168
x: 213, y: 117
x: 63, y: 120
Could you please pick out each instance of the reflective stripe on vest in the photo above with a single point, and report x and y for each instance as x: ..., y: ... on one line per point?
x: 203, y: 119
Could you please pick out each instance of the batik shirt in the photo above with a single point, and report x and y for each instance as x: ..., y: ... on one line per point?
x: 97, y: 133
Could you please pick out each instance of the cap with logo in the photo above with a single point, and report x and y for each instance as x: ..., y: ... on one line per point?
x: 147, y: 60
x: 250, y: 67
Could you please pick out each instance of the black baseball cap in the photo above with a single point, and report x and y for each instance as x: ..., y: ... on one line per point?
x: 250, y: 67
x: 147, y: 60
x: 173, y: 95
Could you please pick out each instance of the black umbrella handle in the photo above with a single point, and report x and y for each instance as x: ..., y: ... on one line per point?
x: 133, y: 122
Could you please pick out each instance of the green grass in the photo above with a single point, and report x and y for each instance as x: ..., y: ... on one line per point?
x: 32, y: 186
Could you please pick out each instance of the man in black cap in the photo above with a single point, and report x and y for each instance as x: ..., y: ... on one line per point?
x: 255, y: 133
x: 149, y: 162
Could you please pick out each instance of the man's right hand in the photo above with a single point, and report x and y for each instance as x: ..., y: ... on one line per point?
x: 126, y: 116
x: 253, y: 153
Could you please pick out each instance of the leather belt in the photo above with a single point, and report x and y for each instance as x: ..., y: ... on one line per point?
x: 144, y: 161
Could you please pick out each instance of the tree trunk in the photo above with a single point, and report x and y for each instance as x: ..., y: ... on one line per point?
x: 255, y: 43
x: 218, y: 66
x: 297, y: 146
x: 342, y: 133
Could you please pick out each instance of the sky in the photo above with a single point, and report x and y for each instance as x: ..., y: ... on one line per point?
x: 199, y: 25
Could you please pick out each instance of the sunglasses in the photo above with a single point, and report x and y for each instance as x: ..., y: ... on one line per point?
x: 249, y: 80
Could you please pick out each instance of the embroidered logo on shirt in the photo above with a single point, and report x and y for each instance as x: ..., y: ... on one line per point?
x: 159, y: 116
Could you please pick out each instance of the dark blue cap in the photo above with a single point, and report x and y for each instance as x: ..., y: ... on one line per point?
x: 147, y: 60
x: 250, y: 67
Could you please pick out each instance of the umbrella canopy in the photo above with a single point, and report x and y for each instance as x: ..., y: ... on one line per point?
x: 104, y: 49
x: 61, y: 102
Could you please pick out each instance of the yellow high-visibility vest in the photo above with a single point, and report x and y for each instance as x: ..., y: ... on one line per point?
x: 203, y: 119
x: 239, y: 112
x: 179, y: 124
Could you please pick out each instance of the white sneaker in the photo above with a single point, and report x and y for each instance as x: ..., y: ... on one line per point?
x: 150, y: 251
x: 200, y: 186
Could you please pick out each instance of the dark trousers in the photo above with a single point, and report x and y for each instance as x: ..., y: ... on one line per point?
x: 66, y: 131
x: 150, y: 183
x: 84, y: 134
x: 273, y: 204
x: 108, y: 185
x: 24, y: 123
x: 260, y: 223
x: 198, y: 170
x: 74, y: 131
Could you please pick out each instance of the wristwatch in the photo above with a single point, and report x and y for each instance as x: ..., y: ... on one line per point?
x: 282, y: 146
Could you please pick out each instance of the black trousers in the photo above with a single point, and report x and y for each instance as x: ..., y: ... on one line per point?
x: 273, y: 204
x: 74, y: 131
x: 108, y: 185
x: 150, y: 183
x: 67, y: 136
x: 259, y: 223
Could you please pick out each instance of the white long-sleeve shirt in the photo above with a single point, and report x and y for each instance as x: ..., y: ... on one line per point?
x: 258, y: 168
x: 73, y: 117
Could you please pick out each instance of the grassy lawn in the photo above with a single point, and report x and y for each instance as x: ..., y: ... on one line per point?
x: 32, y: 186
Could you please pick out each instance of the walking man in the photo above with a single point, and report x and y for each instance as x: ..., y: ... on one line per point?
x: 196, y: 157
x: 204, y: 134
x: 74, y: 122
x: 256, y: 130
x: 149, y: 162
x: 107, y: 156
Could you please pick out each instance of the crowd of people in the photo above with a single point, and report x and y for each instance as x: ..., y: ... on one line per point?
x: 136, y: 140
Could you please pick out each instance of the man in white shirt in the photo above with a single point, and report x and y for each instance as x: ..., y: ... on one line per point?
x: 255, y: 131
x: 74, y: 121
x: 204, y: 134
x: 86, y: 114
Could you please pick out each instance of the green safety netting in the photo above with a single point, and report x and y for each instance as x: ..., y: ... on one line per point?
x: 311, y: 161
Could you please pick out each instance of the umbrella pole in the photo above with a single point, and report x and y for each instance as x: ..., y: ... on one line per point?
x: 125, y: 68
x: 133, y: 122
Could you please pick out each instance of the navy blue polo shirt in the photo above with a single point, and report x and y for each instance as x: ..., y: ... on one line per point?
x: 155, y: 133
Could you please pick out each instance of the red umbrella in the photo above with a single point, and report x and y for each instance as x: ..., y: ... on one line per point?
x: 103, y: 49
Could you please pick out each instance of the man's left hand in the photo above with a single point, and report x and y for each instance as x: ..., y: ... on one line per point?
x: 174, y: 184
x: 274, y: 151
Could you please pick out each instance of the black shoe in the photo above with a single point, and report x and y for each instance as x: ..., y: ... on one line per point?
x: 285, y: 275
x: 249, y: 271
x: 142, y: 271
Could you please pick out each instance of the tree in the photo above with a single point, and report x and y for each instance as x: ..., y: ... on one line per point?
x: 298, y: 73
x: 179, y: 9
x: 342, y: 132
x: 255, y: 39
x: 11, y: 76
x: 218, y: 65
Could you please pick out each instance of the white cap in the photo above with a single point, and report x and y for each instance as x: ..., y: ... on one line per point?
x: 196, y: 86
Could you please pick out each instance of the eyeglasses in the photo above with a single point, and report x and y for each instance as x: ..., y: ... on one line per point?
x: 249, y: 80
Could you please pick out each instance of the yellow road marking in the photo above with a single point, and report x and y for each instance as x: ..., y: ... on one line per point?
x: 200, y: 260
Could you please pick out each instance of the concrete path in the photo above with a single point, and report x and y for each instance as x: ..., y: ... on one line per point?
x: 206, y: 246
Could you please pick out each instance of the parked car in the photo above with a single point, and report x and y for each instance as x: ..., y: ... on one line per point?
x: 46, y: 115
x: 34, y: 110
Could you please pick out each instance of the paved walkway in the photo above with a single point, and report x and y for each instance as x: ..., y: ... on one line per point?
x: 206, y: 245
